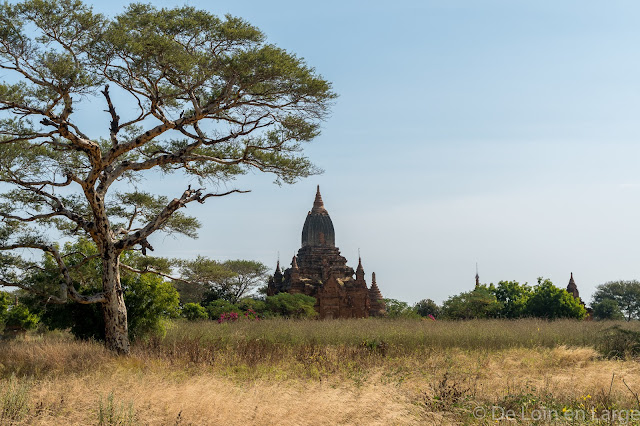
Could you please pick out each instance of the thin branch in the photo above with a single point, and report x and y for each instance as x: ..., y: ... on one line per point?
x: 190, y: 195
x: 149, y: 270
x: 635, y: 395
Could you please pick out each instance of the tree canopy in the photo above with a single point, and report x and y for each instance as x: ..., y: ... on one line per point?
x: 625, y: 294
x: 206, y: 279
x: 510, y: 299
x: 186, y: 93
x: 549, y: 301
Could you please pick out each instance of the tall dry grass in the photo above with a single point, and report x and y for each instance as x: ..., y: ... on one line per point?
x: 331, y: 372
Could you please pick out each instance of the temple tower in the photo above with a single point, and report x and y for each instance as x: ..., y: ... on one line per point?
x: 319, y: 270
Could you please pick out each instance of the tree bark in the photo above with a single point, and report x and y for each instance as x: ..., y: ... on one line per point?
x: 114, y: 309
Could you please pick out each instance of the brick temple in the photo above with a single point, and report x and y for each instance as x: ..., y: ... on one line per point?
x: 319, y: 270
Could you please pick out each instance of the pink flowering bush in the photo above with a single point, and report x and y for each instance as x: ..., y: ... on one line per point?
x: 228, y: 317
x: 250, y: 315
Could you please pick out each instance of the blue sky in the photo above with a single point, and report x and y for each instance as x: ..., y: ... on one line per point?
x: 499, y: 132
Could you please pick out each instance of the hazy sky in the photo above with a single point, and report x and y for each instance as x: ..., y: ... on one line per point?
x: 499, y: 132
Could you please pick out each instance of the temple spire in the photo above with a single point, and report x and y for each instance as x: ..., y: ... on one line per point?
x: 573, y: 288
x: 318, y: 204
x: 294, y: 263
x: 477, y: 276
x: 360, y: 271
x: 374, y: 286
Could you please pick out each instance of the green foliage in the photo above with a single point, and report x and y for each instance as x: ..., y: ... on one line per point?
x: 479, y: 303
x: 398, y: 309
x: 513, y: 298
x: 209, y: 280
x: 202, y: 276
x: 625, y: 293
x: 6, y: 299
x: 221, y: 306
x: 149, y: 299
x: 248, y: 275
x: 194, y: 312
x: 20, y: 317
x: 427, y: 307
x: 258, y: 306
x: 607, y: 309
x: 291, y: 305
x: 549, y: 301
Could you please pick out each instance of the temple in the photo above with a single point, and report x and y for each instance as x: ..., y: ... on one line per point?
x: 572, y: 289
x: 319, y: 270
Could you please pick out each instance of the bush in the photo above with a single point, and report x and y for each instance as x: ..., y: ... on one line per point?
x: 551, y: 302
x: 398, y: 309
x: 218, y: 307
x: 607, y: 309
x: 291, y: 305
x: 20, y: 317
x: 258, y: 306
x: 149, y: 299
x: 479, y: 303
x: 194, y: 312
x: 426, y: 308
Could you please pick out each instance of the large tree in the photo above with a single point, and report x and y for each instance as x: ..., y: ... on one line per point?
x: 185, y: 93
x: 551, y: 302
x: 625, y: 293
x: 513, y: 296
x: 206, y: 279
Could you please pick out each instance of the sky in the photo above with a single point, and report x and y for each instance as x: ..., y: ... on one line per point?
x: 497, y: 132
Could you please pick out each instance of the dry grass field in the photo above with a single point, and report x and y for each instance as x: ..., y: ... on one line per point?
x: 363, y: 372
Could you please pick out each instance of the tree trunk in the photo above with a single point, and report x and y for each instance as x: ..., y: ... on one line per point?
x: 114, y: 309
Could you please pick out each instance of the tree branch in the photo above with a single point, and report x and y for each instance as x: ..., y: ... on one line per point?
x: 115, y: 118
x: 190, y: 195
x: 149, y: 270
x: 67, y: 289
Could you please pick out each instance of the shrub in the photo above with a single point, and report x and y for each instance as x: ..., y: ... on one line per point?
x: 291, y: 305
x: 426, y: 308
x: 607, y: 309
x: 228, y: 317
x: 218, y: 307
x: 549, y: 301
x: 20, y: 317
x: 256, y: 305
x: 194, y: 312
x: 149, y: 300
x: 398, y: 309
x: 479, y: 303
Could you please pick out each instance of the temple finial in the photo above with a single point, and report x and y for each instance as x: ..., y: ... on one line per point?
x: 294, y: 263
x: 318, y: 204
